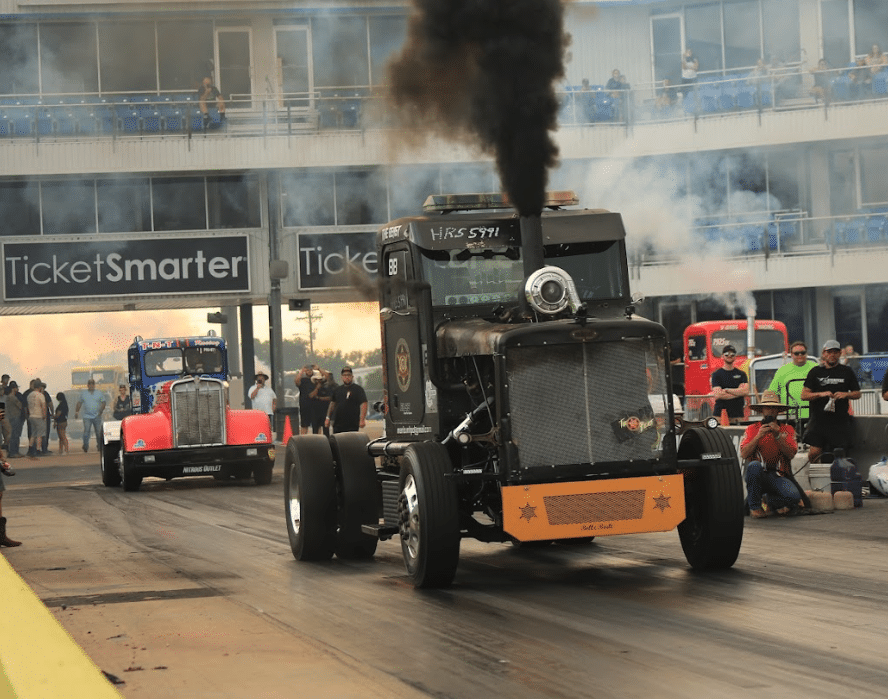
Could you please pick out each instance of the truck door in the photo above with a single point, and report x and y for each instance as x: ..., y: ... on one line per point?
x: 403, y: 349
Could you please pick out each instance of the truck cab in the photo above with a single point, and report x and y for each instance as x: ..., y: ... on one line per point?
x: 182, y: 423
x: 526, y: 401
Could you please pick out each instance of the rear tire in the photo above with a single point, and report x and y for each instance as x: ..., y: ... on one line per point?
x: 428, y: 512
x: 712, y: 531
x: 110, y: 469
x: 359, y: 495
x: 310, y: 498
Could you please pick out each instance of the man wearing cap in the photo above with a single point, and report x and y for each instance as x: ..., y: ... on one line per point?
x: 730, y: 385
x: 348, y: 408
x: 787, y: 382
x: 770, y: 444
x: 829, y: 388
x: 93, y: 404
x: 263, y: 397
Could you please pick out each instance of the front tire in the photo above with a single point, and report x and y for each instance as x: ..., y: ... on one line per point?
x: 110, y: 469
x: 428, y: 512
x: 310, y: 498
x: 359, y: 495
x: 712, y: 531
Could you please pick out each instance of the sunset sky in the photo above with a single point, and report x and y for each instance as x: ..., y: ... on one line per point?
x: 49, y: 345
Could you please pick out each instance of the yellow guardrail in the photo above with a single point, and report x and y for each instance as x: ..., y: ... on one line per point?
x: 38, y: 658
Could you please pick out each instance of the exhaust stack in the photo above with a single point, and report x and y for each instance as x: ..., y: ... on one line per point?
x: 531, y: 243
x: 750, y: 337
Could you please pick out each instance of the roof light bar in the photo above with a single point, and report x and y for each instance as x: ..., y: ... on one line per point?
x: 443, y: 203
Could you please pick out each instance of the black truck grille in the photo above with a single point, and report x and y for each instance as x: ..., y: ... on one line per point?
x: 568, y: 403
x: 198, y: 413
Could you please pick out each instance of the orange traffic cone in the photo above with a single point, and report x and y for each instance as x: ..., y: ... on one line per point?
x: 725, y: 421
x: 288, y: 431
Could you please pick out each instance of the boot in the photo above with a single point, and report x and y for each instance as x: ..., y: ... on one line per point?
x: 5, y: 540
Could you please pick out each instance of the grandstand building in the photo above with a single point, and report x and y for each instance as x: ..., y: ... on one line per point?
x: 745, y: 191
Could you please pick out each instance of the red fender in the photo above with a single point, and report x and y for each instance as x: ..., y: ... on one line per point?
x: 147, y: 432
x: 248, y: 427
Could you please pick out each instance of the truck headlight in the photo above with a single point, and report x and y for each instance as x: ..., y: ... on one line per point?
x: 550, y: 290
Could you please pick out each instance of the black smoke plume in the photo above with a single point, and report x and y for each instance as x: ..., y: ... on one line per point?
x: 486, y: 69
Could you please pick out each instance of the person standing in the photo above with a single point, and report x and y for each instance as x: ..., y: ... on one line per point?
x: 306, y: 386
x: 16, y: 413
x: 320, y: 400
x: 123, y: 404
x: 5, y: 424
x: 689, y: 67
x: 788, y: 380
x: 48, y: 416
x: 61, y: 421
x: 770, y: 444
x: 348, y: 407
x: 730, y: 385
x: 36, y: 420
x: 207, y: 92
x: 263, y: 398
x: 829, y: 389
x: 93, y: 404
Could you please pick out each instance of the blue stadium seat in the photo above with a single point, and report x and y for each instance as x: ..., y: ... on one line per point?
x: 745, y: 97
x: 841, y: 87
x: 151, y: 122
x: 727, y: 99
x: 709, y: 97
x: 65, y: 121
x: 880, y: 83
x: 5, y: 125
x: 875, y: 228
x: 23, y: 121
x: 127, y: 119
x: 174, y: 121
x: 44, y: 123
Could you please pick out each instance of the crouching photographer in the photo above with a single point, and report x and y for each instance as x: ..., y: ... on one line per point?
x: 769, y: 446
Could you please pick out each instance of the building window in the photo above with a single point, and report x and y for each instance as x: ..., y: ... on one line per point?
x: 339, y: 48
x: 360, y: 198
x: 184, y: 54
x: 703, y: 34
x: 847, y: 306
x: 179, y: 203
x: 68, y: 58
x: 18, y: 47
x: 387, y: 36
x: 781, y: 30
x: 20, y: 208
x: 873, y: 185
x: 69, y: 207
x: 124, y: 205
x: 836, y: 42
x: 870, y: 22
x: 307, y: 198
x: 127, y: 57
x: 876, y: 319
x: 233, y: 202
x: 743, y: 45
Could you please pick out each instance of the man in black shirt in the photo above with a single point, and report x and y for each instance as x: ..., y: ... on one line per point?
x: 829, y: 388
x: 348, y: 409
x: 730, y: 385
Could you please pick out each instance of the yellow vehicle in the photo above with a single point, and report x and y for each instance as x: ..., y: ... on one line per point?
x: 107, y: 378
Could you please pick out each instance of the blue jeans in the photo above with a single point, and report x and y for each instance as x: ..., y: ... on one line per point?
x: 781, y: 491
x: 96, y: 424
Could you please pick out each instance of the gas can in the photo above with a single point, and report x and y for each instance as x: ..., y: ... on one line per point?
x: 845, y: 476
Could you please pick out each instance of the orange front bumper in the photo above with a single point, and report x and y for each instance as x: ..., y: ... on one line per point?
x: 593, y: 508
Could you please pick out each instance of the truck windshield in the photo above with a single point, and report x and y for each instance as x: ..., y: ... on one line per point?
x: 496, y: 275
x: 766, y: 341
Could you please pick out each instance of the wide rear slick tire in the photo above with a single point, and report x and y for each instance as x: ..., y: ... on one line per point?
x: 712, y: 531
x: 310, y: 497
x: 110, y: 469
x: 428, y: 512
x: 359, y: 495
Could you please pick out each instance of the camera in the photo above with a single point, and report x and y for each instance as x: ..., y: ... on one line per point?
x: 768, y: 418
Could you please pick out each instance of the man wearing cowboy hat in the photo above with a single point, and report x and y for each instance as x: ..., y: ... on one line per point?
x: 829, y: 388
x: 263, y: 397
x: 771, y: 445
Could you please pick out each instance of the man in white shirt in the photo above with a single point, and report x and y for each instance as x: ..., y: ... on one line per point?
x: 263, y: 397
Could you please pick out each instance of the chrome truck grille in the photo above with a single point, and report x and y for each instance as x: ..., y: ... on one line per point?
x: 583, y: 403
x: 198, y: 409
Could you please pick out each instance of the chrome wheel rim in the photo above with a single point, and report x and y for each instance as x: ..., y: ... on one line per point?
x: 293, y: 502
x: 412, y: 524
